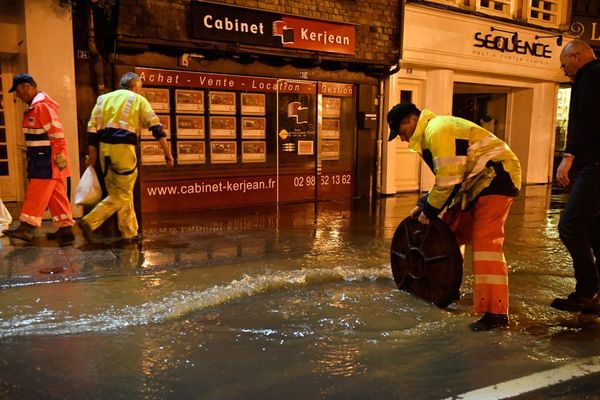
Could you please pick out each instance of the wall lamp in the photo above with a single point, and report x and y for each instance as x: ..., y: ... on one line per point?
x: 515, y: 34
x: 559, y: 38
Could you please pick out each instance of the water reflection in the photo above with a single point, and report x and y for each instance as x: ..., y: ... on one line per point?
x: 273, y: 302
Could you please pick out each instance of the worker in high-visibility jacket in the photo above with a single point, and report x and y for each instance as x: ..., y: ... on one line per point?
x: 476, y: 178
x: 47, y: 164
x: 113, y: 134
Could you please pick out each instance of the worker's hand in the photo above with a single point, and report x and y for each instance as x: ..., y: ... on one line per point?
x: 89, y: 162
x: 423, y: 219
x: 415, y: 211
x: 169, y: 160
x: 562, y: 173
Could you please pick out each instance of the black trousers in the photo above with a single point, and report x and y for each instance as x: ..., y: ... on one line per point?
x: 579, y: 229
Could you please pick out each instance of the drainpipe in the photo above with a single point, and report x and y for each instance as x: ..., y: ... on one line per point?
x: 380, y: 99
x: 98, y: 60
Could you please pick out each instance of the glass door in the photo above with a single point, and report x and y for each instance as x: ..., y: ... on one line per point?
x: 296, y: 140
x: 336, y: 140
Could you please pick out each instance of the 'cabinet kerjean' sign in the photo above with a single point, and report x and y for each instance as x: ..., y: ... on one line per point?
x: 220, y: 22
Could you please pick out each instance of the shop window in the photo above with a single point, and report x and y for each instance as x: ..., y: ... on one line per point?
x: 562, y: 118
x: 544, y: 12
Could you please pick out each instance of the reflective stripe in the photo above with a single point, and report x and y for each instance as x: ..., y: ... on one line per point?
x: 37, y: 143
x: 453, y: 160
x: 98, y: 111
x: 488, y: 256
x: 492, y: 279
x: 115, y: 125
x: 58, y: 135
x: 34, y: 131
x: 30, y: 219
x: 479, y: 144
x: 482, y: 161
x: 61, y: 217
x: 448, y: 180
x: 123, y: 124
x: 55, y: 124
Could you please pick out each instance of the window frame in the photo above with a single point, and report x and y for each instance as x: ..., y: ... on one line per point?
x: 560, y: 10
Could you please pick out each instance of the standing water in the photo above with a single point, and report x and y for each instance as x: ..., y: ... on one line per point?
x: 294, y: 302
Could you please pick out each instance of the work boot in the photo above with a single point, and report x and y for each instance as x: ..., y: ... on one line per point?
x: 490, y: 321
x: 86, y: 231
x: 576, y: 302
x: 63, y: 235
x: 24, y: 232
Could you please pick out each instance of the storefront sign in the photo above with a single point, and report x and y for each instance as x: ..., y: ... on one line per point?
x: 219, y: 192
x: 173, y: 78
x: 512, y: 44
x: 211, y: 21
x: 588, y: 29
x: 336, y: 89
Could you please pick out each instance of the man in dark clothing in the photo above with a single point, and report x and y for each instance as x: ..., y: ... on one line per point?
x: 579, y: 225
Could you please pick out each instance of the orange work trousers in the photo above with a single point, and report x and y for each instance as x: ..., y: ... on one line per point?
x: 482, y: 225
x: 47, y: 193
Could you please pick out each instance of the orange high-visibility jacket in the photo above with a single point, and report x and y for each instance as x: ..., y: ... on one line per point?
x: 45, y: 140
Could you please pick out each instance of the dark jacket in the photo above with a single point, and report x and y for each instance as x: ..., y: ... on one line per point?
x: 583, y: 134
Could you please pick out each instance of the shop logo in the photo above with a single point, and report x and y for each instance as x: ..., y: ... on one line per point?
x: 295, y: 110
x: 282, y: 31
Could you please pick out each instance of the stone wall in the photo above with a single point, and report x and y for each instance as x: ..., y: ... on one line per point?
x: 377, y: 31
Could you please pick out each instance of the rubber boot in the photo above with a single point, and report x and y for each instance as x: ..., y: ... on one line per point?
x: 490, y: 321
x: 62, y: 235
x: 24, y: 232
x: 86, y: 231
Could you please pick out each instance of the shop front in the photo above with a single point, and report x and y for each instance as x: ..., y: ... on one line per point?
x: 241, y: 139
x: 259, y: 106
x: 504, y: 77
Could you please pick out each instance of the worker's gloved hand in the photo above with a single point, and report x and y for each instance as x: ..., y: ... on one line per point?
x: 423, y: 219
x: 61, y: 161
x: 415, y: 211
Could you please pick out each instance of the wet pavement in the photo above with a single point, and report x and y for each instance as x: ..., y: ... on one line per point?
x: 292, y: 300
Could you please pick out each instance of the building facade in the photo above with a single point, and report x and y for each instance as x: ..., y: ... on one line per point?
x: 37, y: 38
x: 501, y: 69
x: 263, y: 102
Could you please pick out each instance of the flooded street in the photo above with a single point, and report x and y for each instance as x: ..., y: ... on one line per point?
x: 295, y: 302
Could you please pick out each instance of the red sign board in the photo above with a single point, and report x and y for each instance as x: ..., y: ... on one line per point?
x: 225, y: 192
x: 223, y: 22
x: 319, y: 35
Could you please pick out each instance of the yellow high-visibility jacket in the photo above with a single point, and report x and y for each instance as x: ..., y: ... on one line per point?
x: 459, y: 153
x: 122, y: 109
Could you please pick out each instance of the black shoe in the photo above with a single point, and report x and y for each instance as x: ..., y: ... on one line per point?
x: 576, y: 302
x: 86, y: 231
x: 24, y: 232
x: 63, y: 235
x: 134, y: 239
x: 490, y: 321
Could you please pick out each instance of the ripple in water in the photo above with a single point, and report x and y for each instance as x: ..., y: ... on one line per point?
x: 182, y: 303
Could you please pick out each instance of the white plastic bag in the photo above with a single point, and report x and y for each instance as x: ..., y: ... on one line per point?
x: 88, y: 192
x: 5, y: 217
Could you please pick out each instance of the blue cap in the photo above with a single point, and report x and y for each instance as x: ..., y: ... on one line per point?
x: 21, y: 78
x: 397, y: 114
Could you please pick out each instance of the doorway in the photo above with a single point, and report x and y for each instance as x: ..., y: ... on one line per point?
x: 484, y: 105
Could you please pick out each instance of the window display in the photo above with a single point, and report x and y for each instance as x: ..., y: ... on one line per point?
x: 189, y: 101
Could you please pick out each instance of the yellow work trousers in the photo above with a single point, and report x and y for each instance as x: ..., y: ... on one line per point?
x: 117, y: 161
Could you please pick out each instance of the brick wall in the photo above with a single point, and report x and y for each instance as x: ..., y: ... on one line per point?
x: 377, y: 32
